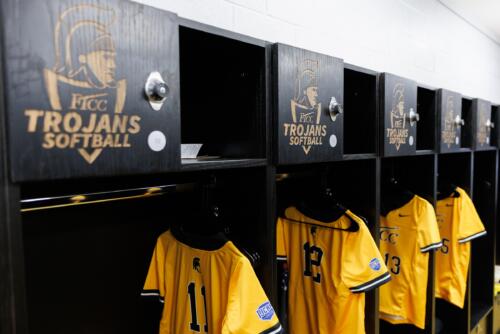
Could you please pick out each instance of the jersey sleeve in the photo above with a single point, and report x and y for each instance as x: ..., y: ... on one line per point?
x: 363, y: 268
x: 280, y: 240
x: 428, y: 229
x: 155, y: 279
x: 249, y: 309
x: 470, y: 226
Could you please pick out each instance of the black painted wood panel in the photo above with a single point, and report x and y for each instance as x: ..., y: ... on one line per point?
x: 75, y: 77
x: 398, y: 99
x: 305, y: 83
x: 12, y: 288
x: 449, y: 107
x: 495, y: 134
x: 481, y: 132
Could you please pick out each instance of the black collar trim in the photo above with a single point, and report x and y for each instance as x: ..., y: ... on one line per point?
x: 353, y: 227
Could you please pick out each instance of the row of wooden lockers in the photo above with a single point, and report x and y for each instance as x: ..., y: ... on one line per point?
x: 102, y: 89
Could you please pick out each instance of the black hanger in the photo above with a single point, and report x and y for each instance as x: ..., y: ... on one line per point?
x: 208, y: 224
x: 212, y: 241
x: 206, y: 218
x: 251, y: 254
x: 394, y: 196
x: 202, y: 227
x: 322, y: 206
x: 446, y: 188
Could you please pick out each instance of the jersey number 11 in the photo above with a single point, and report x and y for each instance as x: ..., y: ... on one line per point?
x: 194, y: 326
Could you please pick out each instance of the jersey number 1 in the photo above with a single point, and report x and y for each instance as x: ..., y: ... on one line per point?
x: 309, y: 251
x: 194, y: 326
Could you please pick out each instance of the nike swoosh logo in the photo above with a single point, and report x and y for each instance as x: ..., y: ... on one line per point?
x: 400, y: 215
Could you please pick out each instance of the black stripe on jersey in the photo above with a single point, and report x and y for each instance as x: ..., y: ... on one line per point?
x: 431, y: 246
x: 153, y: 293
x: 374, y: 283
x: 273, y: 330
x: 150, y: 293
x: 471, y: 237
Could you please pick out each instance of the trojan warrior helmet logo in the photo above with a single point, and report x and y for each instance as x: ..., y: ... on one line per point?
x: 196, y: 264
x: 305, y: 106
x: 83, y: 78
x: 448, y: 133
x: 482, y: 131
x: 397, y: 133
x: 398, y: 118
x: 448, y: 123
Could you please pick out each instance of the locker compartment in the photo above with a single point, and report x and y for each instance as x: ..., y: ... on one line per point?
x: 360, y: 110
x: 223, y: 94
x: 451, y: 318
x: 333, y: 183
x: 85, y: 265
x: 401, y: 178
x: 482, y: 256
x: 426, y: 108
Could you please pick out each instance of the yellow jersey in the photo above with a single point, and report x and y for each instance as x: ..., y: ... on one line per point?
x: 459, y: 223
x: 328, y: 270
x: 407, y: 234
x: 208, y: 289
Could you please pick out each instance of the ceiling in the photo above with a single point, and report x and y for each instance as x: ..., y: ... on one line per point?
x: 484, y: 15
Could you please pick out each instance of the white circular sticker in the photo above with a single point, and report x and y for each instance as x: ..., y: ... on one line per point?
x: 333, y: 140
x: 457, y: 140
x: 410, y: 140
x: 157, y: 141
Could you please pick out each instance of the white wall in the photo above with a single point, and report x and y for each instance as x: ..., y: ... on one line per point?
x: 418, y: 39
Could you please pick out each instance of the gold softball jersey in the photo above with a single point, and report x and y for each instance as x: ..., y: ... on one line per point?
x: 210, y: 290
x: 459, y: 223
x: 328, y: 271
x: 407, y: 234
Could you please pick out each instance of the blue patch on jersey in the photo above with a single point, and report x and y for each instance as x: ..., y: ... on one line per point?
x: 265, y: 311
x: 375, y: 264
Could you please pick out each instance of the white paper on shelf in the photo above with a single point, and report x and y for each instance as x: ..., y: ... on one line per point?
x: 190, y: 151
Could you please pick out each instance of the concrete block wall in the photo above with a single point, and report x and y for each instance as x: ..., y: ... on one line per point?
x: 419, y: 39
